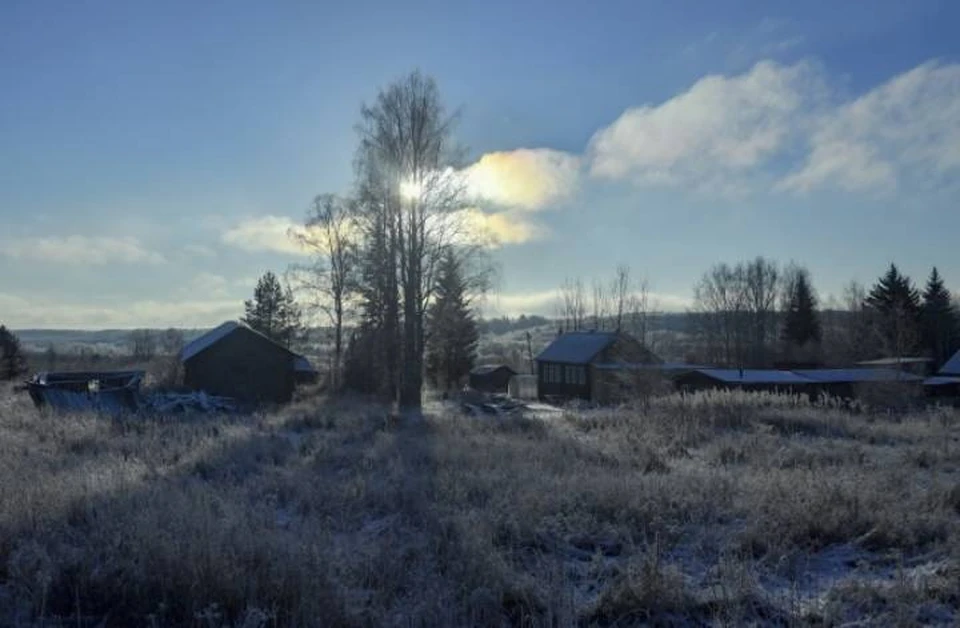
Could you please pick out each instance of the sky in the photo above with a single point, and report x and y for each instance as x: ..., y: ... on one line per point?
x: 154, y: 155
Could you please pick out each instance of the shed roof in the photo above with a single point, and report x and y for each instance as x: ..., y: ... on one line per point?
x: 577, y: 347
x: 894, y: 361
x: 223, y: 330
x: 857, y: 375
x: 952, y: 367
x: 754, y: 376
x: 208, y: 339
x: 303, y: 365
x: 664, y: 367
x: 486, y: 369
x: 941, y: 380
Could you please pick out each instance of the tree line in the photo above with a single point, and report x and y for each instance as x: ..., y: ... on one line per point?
x: 757, y: 314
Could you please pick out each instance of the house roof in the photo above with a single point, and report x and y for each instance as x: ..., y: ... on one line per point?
x: 486, y: 369
x: 952, y: 367
x: 226, y: 328
x: 754, y: 376
x: 857, y: 375
x: 941, y: 380
x: 303, y: 365
x: 633, y: 366
x: 895, y: 361
x: 209, y: 339
x: 576, y: 347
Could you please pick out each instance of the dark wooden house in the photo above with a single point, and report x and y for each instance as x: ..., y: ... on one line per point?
x: 564, y: 368
x: 491, y: 378
x: 236, y: 361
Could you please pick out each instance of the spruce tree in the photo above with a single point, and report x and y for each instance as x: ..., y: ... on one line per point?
x: 801, y: 325
x: 273, y: 311
x: 13, y: 364
x: 939, y: 321
x: 453, y: 335
x: 894, y: 304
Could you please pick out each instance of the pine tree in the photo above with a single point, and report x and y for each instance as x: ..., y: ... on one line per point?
x: 940, y: 325
x: 801, y: 325
x: 273, y: 311
x: 13, y: 364
x: 894, y: 304
x: 453, y: 336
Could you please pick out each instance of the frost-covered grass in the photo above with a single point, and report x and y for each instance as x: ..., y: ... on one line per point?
x: 717, y: 509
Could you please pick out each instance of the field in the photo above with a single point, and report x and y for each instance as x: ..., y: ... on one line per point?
x: 720, y: 509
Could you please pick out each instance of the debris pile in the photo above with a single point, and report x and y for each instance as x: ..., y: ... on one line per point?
x: 111, y: 392
x: 190, y: 402
x: 117, y: 392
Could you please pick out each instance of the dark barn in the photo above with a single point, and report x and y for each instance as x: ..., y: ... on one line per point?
x: 491, y: 378
x: 563, y: 368
x: 235, y: 361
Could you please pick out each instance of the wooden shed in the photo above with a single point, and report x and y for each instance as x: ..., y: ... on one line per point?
x: 491, y: 378
x: 563, y: 368
x: 236, y: 361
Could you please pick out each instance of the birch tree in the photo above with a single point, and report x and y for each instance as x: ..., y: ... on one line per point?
x: 408, y: 192
x: 330, y: 280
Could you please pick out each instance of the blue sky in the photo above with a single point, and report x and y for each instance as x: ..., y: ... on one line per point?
x: 152, y: 155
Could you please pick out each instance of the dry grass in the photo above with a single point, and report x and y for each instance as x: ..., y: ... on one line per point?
x: 716, y: 509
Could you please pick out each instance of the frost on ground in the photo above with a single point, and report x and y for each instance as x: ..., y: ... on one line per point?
x: 707, y: 510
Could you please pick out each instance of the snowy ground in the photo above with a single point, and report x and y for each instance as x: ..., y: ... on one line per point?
x: 714, y: 510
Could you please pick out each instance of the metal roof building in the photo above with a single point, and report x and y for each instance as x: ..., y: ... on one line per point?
x: 857, y: 375
x: 577, y: 347
x: 952, y: 367
x: 566, y: 367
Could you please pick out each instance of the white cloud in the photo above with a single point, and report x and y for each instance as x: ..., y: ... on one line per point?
x: 493, y: 230
x: 199, y: 250
x: 908, y: 127
x: 267, y: 233
x: 720, y: 129
x: 528, y: 179
x: 21, y: 312
x: 79, y: 249
x: 209, y: 285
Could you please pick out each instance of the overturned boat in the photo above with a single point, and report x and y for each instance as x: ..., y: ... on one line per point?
x: 112, y: 392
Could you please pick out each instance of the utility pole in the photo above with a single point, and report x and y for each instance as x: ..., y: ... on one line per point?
x: 530, y: 354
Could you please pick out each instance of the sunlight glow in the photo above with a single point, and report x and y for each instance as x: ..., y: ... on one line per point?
x: 410, y: 189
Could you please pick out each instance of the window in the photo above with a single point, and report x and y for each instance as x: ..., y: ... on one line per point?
x: 582, y: 375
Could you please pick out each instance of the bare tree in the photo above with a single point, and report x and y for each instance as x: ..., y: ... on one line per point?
x: 572, y: 302
x: 143, y: 344
x: 849, y: 327
x: 409, y: 191
x: 761, y: 277
x: 330, y: 280
x: 720, y: 306
x: 638, y: 310
x: 620, y: 294
x: 601, y: 304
